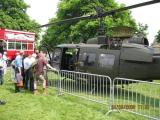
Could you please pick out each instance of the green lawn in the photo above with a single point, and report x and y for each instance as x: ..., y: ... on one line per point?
x: 26, y: 106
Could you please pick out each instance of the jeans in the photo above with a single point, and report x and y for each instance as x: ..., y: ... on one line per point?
x: 31, y: 81
x: 26, y: 79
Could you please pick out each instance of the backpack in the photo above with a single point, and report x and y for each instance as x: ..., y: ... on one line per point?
x: 34, y: 65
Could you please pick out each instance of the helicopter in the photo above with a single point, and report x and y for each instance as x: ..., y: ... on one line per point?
x: 123, y: 55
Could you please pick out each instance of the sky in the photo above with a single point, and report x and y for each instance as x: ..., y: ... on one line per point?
x: 43, y: 10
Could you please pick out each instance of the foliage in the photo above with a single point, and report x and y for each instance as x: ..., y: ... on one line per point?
x: 142, y: 29
x: 80, y: 31
x: 158, y: 36
x: 13, y: 16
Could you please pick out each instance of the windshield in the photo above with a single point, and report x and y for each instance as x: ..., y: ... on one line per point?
x: 56, y: 56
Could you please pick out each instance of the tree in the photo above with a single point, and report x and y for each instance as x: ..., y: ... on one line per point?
x: 158, y: 36
x: 82, y: 30
x: 13, y: 16
x: 142, y: 29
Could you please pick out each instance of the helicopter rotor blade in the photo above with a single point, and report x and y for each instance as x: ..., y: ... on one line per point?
x: 129, y: 7
x: 94, y: 16
x: 67, y: 21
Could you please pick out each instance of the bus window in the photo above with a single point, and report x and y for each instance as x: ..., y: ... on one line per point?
x: 18, y: 46
x: 11, y: 45
x: 30, y: 46
x: 24, y: 46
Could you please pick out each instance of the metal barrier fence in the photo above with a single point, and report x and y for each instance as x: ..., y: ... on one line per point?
x: 89, y: 86
x: 53, y: 78
x: 134, y: 96
x: 138, y: 97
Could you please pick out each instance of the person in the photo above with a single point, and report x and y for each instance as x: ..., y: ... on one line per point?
x: 41, y: 63
x: 22, y: 69
x: 37, y: 53
x: 2, y: 62
x: 18, y: 62
x: 18, y: 70
x: 31, y: 71
x: 18, y: 81
x: 13, y: 75
x: 27, y: 65
x: 5, y: 62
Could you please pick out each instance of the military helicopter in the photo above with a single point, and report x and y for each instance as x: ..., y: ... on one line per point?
x: 123, y: 56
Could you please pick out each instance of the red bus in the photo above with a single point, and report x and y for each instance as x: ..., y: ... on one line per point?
x: 13, y: 41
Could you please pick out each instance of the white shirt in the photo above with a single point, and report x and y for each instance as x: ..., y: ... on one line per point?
x: 33, y: 59
x: 27, y: 63
x: 5, y: 57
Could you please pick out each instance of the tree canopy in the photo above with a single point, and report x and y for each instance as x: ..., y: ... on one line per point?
x: 158, y: 36
x: 142, y: 29
x: 13, y: 16
x: 82, y: 30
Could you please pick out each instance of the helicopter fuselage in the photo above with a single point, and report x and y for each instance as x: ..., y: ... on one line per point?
x: 131, y: 60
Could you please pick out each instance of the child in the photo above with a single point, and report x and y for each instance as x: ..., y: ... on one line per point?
x: 18, y: 82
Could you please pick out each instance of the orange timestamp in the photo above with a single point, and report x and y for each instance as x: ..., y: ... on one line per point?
x: 131, y: 107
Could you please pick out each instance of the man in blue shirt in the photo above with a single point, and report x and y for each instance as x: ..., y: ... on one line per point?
x: 18, y: 68
x: 18, y: 62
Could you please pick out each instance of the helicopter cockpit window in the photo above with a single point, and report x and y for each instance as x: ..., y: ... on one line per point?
x: 56, y: 56
x: 89, y: 58
x: 84, y: 56
x: 106, y: 60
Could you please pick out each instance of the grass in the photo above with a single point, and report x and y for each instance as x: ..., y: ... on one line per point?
x: 26, y: 106
x: 145, y: 95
